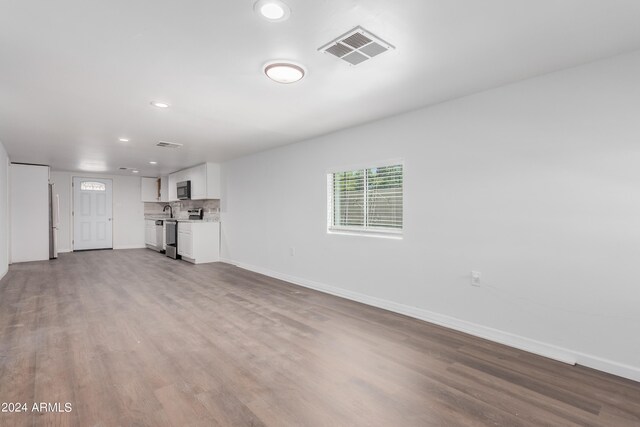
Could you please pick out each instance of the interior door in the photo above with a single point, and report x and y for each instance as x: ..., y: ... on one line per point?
x: 92, y: 213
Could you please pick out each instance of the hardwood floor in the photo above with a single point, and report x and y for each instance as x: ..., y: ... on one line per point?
x: 133, y: 338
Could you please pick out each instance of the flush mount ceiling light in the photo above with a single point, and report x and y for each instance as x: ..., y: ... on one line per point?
x: 135, y: 171
x: 284, y: 71
x: 123, y: 139
x: 159, y: 104
x: 272, y: 10
x: 153, y: 163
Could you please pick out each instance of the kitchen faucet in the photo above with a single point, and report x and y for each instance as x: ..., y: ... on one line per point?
x: 170, y: 210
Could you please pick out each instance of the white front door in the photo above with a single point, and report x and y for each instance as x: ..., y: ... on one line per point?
x: 92, y: 207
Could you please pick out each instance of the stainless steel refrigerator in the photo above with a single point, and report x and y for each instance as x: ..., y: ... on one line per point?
x: 54, y: 216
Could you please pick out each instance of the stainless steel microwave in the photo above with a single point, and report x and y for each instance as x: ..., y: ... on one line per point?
x: 184, y: 190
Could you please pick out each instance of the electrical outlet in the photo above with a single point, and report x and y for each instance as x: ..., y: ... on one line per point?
x: 292, y: 251
x: 475, y: 278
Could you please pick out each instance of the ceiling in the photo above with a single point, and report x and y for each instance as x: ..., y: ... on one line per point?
x: 76, y: 75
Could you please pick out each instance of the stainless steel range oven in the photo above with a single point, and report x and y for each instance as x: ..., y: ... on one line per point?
x: 172, y: 238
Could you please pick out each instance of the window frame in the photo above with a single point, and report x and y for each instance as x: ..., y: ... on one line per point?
x: 393, y: 233
x: 99, y: 188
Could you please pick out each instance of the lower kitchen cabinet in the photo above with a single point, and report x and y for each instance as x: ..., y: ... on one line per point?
x: 150, y: 236
x: 199, y: 242
x: 185, y: 244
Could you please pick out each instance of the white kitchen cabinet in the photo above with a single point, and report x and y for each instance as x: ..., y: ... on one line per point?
x: 198, y: 177
x: 150, y: 235
x: 172, y: 191
x: 185, y: 244
x: 149, y: 190
x: 174, y: 179
x: 164, y: 188
x: 199, y: 242
x: 205, y: 182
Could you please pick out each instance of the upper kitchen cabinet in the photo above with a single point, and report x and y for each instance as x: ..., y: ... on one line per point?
x: 198, y: 177
x: 164, y: 188
x: 205, y: 181
x: 174, y: 179
x: 150, y: 190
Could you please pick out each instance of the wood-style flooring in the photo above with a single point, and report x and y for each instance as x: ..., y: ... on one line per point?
x: 132, y: 338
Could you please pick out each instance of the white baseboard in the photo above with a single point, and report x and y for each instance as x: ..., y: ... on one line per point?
x: 61, y: 251
x: 512, y: 340
x: 608, y: 366
x: 129, y: 247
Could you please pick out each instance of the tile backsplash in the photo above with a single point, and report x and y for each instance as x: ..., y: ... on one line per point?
x: 211, y: 208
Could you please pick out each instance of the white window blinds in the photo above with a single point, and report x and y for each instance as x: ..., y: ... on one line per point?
x: 366, y: 199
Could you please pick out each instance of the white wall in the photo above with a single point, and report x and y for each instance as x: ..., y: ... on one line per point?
x: 4, y: 211
x: 29, y: 211
x: 536, y: 185
x: 128, y: 210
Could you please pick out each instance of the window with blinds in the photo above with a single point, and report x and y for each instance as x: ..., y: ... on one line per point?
x: 366, y: 199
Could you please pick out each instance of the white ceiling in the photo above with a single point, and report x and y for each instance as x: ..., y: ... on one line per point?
x: 75, y: 75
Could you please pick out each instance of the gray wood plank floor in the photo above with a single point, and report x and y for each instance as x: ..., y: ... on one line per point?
x: 133, y: 338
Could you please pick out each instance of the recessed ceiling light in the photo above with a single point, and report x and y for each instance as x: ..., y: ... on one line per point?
x: 272, y: 10
x: 159, y: 104
x: 284, y: 71
x: 153, y: 163
x: 135, y: 171
x: 123, y: 139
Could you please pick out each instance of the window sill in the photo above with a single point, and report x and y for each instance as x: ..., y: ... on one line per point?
x: 368, y: 233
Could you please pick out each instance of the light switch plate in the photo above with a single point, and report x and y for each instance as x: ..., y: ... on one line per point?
x: 475, y: 278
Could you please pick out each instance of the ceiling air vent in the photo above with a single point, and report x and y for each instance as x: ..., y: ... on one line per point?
x: 356, y: 46
x: 166, y: 144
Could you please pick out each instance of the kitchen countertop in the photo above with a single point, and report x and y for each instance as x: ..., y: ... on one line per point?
x: 164, y: 218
